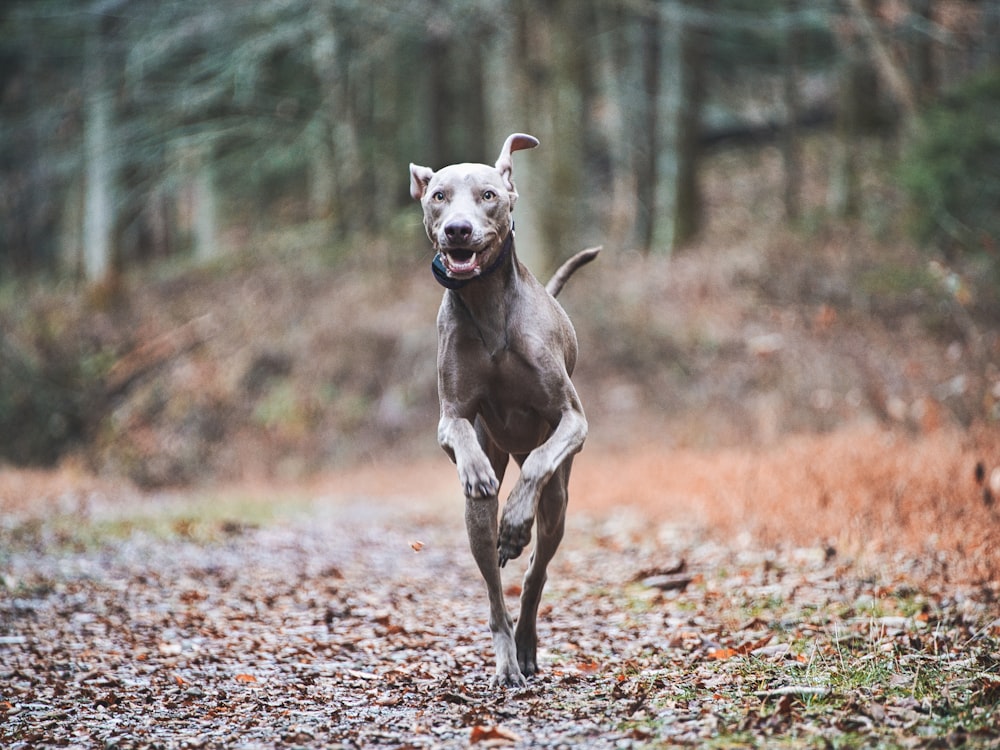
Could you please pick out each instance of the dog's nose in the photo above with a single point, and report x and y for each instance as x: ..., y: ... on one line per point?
x: 458, y: 231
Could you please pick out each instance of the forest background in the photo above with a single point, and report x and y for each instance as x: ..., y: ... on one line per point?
x: 210, y: 266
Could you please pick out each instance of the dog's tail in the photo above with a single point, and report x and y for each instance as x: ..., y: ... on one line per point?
x: 560, y: 277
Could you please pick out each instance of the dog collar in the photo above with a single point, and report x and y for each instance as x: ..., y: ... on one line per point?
x: 448, y: 282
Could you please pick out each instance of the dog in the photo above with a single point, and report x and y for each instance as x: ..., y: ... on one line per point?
x: 506, y: 351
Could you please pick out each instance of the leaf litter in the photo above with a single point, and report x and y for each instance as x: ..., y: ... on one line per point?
x: 321, y: 628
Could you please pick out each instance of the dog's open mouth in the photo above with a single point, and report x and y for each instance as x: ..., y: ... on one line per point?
x: 460, y: 261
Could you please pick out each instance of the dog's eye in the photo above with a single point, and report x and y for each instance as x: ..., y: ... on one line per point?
x: 489, y: 195
x: 438, y: 196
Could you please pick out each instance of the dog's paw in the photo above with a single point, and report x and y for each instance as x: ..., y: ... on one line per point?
x: 512, y: 540
x: 527, y: 651
x: 515, y: 524
x: 528, y: 664
x: 508, y: 676
x: 478, y: 480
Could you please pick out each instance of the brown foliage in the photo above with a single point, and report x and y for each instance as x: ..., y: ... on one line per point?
x: 864, y: 489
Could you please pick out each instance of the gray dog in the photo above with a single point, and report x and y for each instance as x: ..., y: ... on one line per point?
x: 506, y: 350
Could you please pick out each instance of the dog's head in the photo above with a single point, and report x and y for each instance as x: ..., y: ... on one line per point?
x: 467, y: 208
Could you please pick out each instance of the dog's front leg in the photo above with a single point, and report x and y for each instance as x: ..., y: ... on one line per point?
x: 481, y: 523
x: 536, y: 471
x: 480, y: 477
x: 475, y: 472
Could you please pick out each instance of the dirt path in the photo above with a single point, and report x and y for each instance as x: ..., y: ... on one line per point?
x: 306, y: 618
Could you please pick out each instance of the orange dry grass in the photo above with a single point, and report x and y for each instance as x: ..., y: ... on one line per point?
x: 33, y: 492
x: 862, y: 490
x: 910, y: 502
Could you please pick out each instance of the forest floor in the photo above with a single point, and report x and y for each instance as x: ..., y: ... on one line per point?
x: 347, y: 612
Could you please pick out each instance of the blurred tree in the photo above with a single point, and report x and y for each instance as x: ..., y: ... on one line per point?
x: 790, y: 151
x: 40, y: 63
x: 648, y: 141
x: 950, y: 172
x: 855, y: 90
x: 859, y: 109
x: 98, y: 215
x: 922, y: 49
x: 885, y: 62
x: 559, y: 77
x: 136, y: 129
x: 687, y: 200
x: 455, y: 47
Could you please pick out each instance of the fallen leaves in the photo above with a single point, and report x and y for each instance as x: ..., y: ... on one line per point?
x: 672, y: 577
x: 749, y: 647
x: 668, y: 582
x: 789, y: 691
x: 332, y: 633
x: 492, y: 735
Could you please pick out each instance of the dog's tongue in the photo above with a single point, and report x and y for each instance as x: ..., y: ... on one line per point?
x: 462, y: 261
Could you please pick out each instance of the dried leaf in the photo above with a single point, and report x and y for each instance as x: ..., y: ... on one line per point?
x: 721, y: 654
x: 192, y: 596
x: 492, y: 734
x: 797, y: 690
x: 588, y: 667
x: 750, y: 646
x: 672, y: 582
x: 785, y: 705
x: 416, y: 546
x: 667, y: 570
x: 771, y: 652
x: 361, y: 675
x: 988, y: 690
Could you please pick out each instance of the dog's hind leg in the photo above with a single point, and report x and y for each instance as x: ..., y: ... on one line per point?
x: 551, y: 522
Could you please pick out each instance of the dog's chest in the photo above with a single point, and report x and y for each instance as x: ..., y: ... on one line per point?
x: 506, y: 368
x: 517, y: 428
x: 514, y: 402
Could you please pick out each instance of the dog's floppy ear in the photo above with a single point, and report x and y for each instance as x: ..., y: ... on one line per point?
x: 505, y: 165
x: 420, y: 177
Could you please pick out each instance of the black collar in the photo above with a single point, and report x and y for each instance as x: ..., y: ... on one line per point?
x: 441, y: 273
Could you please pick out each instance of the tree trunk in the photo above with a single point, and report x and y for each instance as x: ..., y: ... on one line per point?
x: 922, y: 49
x: 206, y: 235
x: 842, y: 191
x: 687, y: 211
x: 888, y: 68
x: 647, y: 139
x: 453, y: 63
x: 790, y: 154
x: 596, y: 164
x: 474, y: 107
x: 543, y: 173
x: 98, y: 214
x: 367, y: 208
x: 322, y: 168
x: 857, y: 110
x: 440, y: 109
x: 988, y: 50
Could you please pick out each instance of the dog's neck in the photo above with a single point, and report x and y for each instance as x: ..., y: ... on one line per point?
x: 488, y: 300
